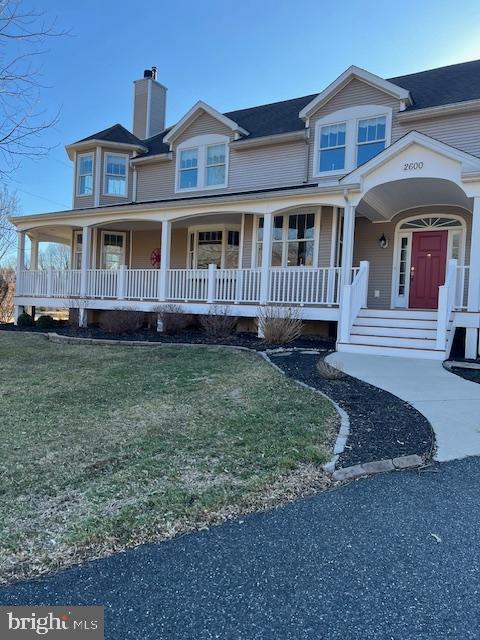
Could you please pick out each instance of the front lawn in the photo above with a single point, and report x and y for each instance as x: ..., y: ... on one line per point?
x: 107, y: 447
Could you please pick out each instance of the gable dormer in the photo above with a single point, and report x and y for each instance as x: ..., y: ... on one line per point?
x: 351, y: 121
x: 200, y: 143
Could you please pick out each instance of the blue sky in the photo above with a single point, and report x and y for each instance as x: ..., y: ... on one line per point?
x: 229, y: 54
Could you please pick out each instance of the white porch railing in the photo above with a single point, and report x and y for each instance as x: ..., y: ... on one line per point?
x: 447, y: 296
x: 461, y: 298
x: 354, y: 298
x: 294, y: 285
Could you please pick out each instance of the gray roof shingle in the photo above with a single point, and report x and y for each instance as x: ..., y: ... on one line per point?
x: 445, y: 85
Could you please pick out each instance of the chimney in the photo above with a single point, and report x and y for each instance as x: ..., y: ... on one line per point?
x: 149, y: 105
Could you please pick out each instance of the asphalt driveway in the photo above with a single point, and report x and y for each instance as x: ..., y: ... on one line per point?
x: 391, y: 557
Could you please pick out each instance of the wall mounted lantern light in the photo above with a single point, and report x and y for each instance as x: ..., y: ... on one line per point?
x: 383, y: 241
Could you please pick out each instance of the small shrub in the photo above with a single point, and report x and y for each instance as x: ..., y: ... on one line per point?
x: 329, y: 372
x: 218, y: 323
x: 279, y: 325
x: 25, y: 320
x: 173, y: 319
x: 120, y: 321
x: 45, y: 322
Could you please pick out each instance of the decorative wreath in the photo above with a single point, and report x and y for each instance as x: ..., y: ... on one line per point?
x: 155, y: 258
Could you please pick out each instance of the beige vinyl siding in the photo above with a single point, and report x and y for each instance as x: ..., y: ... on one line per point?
x: 143, y: 243
x: 325, y: 237
x: 368, y: 248
x: 461, y: 130
x: 248, y: 241
x: 178, y: 251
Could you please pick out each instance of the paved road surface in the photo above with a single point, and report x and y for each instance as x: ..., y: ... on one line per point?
x: 356, y: 563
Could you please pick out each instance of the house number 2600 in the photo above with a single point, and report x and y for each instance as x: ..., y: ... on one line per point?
x: 412, y: 166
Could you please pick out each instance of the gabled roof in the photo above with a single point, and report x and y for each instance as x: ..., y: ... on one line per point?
x: 347, y: 76
x: 193, y: 113
x: 446, y: 85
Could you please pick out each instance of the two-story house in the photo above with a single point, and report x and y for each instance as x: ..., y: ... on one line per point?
x: 359, y: 204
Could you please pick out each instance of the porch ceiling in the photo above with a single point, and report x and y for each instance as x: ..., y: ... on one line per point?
x: 384, y: 201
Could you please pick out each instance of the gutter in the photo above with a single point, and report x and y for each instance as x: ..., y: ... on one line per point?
x: 179, y: 203
x: 158, y: 157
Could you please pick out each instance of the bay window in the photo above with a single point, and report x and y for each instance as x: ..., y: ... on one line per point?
x: 202, y: 163
x: 293, y: 240
x: 115, y: 174
x: 85, y: 174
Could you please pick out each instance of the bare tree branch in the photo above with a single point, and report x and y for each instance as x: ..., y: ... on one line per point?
x: 23, y: 37
x: 8, y: 207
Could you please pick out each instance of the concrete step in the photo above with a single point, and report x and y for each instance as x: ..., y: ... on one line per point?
x: 399, y: 352
x: 393, y: 341
x: 404, y: 323
x: 394, y: 332
x: 398, y: 313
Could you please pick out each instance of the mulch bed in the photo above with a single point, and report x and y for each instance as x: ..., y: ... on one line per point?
x: 382, y: 426
x: 468, y: 374
x: 192, y: 336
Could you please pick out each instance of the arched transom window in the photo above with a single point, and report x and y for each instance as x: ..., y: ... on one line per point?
x: 431, y: 223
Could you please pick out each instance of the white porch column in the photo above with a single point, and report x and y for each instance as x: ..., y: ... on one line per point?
x: 19, y: 309
x: 473, y: 302
x: 347, y: 246
x: 85, y: 266
x: 165, y: 259
x: 266, y: 257
x: 33, y: 254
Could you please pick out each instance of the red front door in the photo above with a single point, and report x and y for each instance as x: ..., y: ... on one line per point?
x: 427, y: 271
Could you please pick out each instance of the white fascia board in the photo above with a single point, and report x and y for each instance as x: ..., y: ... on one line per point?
x: 263, y: 141
x: 159, y: 157
x: 193, y: 113
x: 440, y: 110
x: 413, y: 137
x: 352, y: 73
x: 86, y: 144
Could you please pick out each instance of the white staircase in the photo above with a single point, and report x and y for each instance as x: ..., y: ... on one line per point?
x: 396, y: 332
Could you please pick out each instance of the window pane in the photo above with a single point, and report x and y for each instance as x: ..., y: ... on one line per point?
x: 260, y: 229
x: 277, y: 248
x: 86, y: 164
x: 216, y: 154
x: 332, y: 136
x: 115, y: 186
x: 234, y: 238
x: 85, y: 185
x: 371, y: 129
x: 116, y: 165
x: 209, y: 253
x: 300, y: 254
x: 188, y: 158
x: 112, y: 251
x: 366, y: 152
x: 188, y: 178
x: 277, y: 233
x: 332, y: 159
x: 216, y: 175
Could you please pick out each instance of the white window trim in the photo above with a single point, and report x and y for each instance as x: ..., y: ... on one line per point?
x: 350, y: 116
x: 102, y: 244
x: 285, y: 241
x: 224, y: 228
x: 402, y: 302
x: 118, y: 155
x: 201, y: 143
x: 90, y: 154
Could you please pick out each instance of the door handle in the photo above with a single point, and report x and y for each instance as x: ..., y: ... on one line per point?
x: 412, y: 273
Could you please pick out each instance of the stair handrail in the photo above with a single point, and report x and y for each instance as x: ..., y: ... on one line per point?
x: 354, y: 298
x: 446, y: 303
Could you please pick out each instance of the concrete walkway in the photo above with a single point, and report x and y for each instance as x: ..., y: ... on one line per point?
x: 450, y: 403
